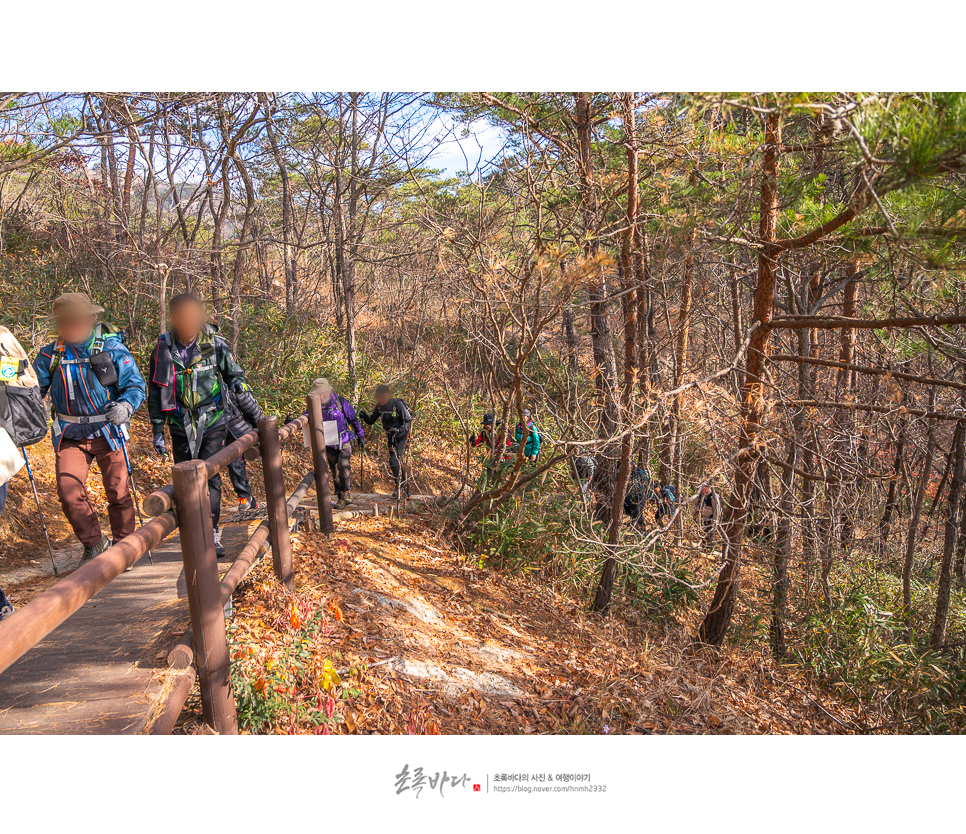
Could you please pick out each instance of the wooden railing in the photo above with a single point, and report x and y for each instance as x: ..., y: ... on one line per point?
x: 184, y: 505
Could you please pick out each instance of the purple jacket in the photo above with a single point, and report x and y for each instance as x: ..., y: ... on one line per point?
x: 338, y: 408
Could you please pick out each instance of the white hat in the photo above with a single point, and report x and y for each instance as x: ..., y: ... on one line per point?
x: 321, y: 386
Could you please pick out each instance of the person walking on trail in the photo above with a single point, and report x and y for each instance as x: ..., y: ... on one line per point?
x: 192, y: 372
x: 527, y: 428
x: 487, y: 436
x: 707, y: 511
x: 95, y: 386
x: 337, y: 409
x: 16, y: 372
x: 638, y: 493
x: 396, y: 421
x: 585, y: 467
x: 242, y: 413
x: 666, y: 499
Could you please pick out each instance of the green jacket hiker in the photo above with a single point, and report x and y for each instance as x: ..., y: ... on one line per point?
x: 186, y: 384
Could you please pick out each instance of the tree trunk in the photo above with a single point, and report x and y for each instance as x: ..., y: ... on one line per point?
x: 289, y: 254
x: 716, y: 622
x: 605, y: 587
x: 783, y: 545
x: 913, y: 536
x: 601, y: 340
x: 953, y: 523
x: 680, y: 363
x: 885, y: 523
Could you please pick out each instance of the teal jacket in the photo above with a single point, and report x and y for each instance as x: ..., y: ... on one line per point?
x: 533, y: 441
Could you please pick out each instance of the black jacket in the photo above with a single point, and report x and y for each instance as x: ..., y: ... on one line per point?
x: 395, y: 415
x: 242, y: 412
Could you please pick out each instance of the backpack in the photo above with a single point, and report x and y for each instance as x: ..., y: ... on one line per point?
x: 639, y: 483
x: 23, y: 413
x: 100, y: 360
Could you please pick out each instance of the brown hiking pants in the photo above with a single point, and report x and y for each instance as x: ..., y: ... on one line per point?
x: 74, y: 460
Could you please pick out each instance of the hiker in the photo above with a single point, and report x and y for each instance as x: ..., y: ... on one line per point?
x: 528, y: 427
x: 396, y: 421
x: 95, y: 386
x: 17, y: 378
x: 192, y: 369
x: 584, y: 467
x: 337, y: 409
x: 487, y: 436
x: 666, y: 499
x: 638, y: 494
x: 707, y: 512
x: 242, y: 413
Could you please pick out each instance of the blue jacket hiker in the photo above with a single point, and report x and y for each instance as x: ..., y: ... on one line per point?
x: 79, y: 398
x: 95, y: 386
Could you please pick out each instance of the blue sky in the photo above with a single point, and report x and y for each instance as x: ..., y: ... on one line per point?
x: 472, y: 152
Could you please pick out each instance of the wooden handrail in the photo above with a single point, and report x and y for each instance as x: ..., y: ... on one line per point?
x: 182, y: 655
x: 29, y: 625
x: 162, y: 500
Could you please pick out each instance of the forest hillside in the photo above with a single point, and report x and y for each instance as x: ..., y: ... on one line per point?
x: 734, y: 321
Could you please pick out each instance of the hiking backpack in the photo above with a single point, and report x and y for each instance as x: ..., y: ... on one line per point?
x: 22, y: 410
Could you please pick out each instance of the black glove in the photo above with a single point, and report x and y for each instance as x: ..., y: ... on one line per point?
x: 362, y: 445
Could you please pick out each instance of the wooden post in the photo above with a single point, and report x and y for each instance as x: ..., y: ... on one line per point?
x: 204, y: 595
x: 278, y: 529
x: 321, y: 466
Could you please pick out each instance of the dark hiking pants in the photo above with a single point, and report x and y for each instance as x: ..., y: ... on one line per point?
x: 340, y: 465
x: 238, y: 474
x: 211, y: 443
x: 397, y: 454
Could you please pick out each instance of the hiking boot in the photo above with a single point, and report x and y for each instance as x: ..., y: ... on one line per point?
x: 340, y: 504
x: 96, y: 549
x: 247, y: 505
x: 219, y: 548
x: 6, y: 606
x: 347, y: 497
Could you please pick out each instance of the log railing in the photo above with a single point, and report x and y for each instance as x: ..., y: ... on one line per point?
x: 183, y: 505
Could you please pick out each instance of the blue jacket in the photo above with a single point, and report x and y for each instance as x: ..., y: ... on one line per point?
x: 338, y: 408
x: 75, y: 391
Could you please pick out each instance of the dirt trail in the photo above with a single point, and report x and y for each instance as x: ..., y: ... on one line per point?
x: 453, y: 648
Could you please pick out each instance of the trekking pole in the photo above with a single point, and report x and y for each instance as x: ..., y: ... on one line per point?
x: 43, y: 521
x: 407, y: 469
x: 131, y: 485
